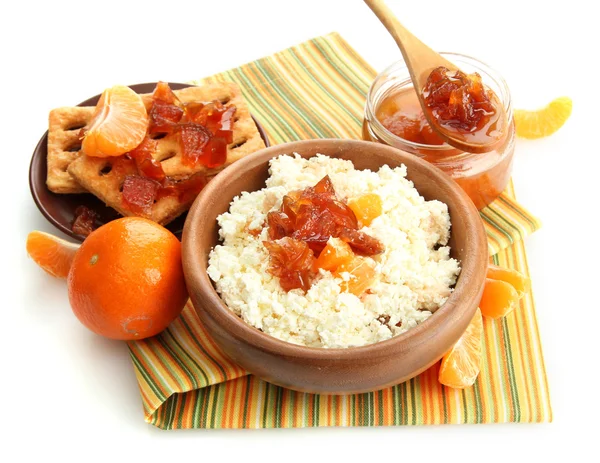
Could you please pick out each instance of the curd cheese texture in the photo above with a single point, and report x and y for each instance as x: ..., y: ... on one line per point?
x: 415, y: 273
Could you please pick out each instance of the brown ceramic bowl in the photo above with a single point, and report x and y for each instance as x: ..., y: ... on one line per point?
x: 59, y: 209
x: 335, y: 371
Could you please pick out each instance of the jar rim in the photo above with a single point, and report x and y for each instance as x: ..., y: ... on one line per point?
x: 504, y: 97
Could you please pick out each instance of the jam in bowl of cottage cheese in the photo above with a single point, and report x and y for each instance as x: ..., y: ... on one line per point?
x: 329, y: 256
x: 334, y: 266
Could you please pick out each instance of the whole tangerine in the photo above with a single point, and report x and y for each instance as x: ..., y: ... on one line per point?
x: 126, y: 281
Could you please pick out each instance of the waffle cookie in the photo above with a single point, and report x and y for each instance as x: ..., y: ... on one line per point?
x: 64, y: 146
x: 104, y: 177
x: 97, y: 176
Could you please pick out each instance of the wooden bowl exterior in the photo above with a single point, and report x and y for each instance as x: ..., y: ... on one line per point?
x: 335, y: 371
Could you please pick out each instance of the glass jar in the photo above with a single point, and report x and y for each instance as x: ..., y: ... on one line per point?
x: 483, y: 176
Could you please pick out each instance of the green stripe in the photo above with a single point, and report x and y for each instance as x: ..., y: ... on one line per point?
x: 157, y: 391
x: 444, y: 404
x: 196, y: 411
x: 266, y: 404
x: 502, y: 219
x: 189, y: 358
x: 485, y: 375
x: 334, y: 102
x: 465, y: 408
x: 496, y: 227
x: 404, y: 395
x: 478, y: 408
x: 278, y: 125
x: 288, y: 132
x: 369, y: 71
x: 182, y: 398
x: 246, y: 400
x: 168, y: 347
x: 321, y: 45
x: 520, y: 212
x: 216, y: 399
x: 205, y: 401
x: 413, y: 401
x: 352, y: 410
x: 316, y: 61
x: 511, y: 370
x: 288, y: 94
x: 277, y: 407
x: 204, y: 351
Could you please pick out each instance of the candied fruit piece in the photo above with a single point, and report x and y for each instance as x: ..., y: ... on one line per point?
x: 185, y: 190
x: 343, y: 216
x: 335, y: 253
x: 164, y: 94
x: 362, y: 275
x: 215, y: 116
x: 314, y: 226
x: 85, y: 221
x: 312, y: 217
x: 279, y: 224
x: 193, y: 139
x: 361, y: 243
x: 139, y: 193
x: 203, y: 129
x: 458, y: 100
x: 499, y: 298
x: 163, y: 117
x: 291, y: 203
x: 144, y: 160
x: 519, y: 281
x: 324, y: 187
x: 292, y: 261
x: 164, y: 113
x: 366, y: 207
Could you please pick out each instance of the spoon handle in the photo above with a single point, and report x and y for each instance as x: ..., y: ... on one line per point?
x: 420, y: 59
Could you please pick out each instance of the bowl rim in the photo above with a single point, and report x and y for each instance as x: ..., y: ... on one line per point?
x: 471, y: 268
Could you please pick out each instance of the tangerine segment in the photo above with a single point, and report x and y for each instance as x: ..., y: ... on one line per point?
x: 544, y: 121
x: 366, y: 208
x: 126, y: 281
x: 461, y: 365
x: 499, y: 298
x: 362, y: 275
x: 51, y: 253
x: 118, y: 125
x: 335, y: 253
x: 516, y: 279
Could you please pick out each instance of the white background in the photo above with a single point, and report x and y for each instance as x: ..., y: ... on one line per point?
x: 67, y: 393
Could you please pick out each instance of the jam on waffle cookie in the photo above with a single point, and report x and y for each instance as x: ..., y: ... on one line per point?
x: 106, y: 177
x: 64, y: 146
x: 115, y: 181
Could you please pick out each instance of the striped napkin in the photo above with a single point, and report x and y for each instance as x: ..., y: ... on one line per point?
x: 317, y: 90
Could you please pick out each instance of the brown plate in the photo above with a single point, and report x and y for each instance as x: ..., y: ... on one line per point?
x: 59, y: 209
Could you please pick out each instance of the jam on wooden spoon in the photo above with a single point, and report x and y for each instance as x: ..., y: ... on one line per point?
x: 459, y: 108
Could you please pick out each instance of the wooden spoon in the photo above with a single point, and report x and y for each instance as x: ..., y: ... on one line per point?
x: 420, y: 61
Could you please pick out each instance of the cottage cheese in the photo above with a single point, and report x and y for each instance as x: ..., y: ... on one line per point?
x: 416, y: 273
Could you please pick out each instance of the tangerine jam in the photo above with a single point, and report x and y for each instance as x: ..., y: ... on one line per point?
x: 393, y: 116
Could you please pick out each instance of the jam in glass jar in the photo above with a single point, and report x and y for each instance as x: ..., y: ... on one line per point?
x: 393, y: 116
